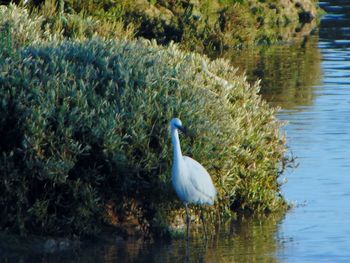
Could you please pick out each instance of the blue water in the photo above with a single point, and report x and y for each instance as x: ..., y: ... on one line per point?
x: 318, y: 229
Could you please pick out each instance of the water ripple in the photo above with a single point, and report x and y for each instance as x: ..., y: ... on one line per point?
x: 320, y: 137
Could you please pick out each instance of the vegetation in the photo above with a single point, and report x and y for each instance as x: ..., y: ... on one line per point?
x: 51, y: 23
x: 197, y: 25
x: 84, y: 114
x: 85, y: 139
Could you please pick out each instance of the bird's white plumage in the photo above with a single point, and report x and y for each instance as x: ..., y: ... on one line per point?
x: 201, y: 181
x: 191, y: 181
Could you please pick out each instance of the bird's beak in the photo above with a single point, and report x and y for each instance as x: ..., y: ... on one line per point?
x: 182, y: 129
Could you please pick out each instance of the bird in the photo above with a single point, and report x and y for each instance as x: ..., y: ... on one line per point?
x: 191, y: 181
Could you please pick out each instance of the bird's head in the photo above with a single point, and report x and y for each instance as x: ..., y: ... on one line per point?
x: 176, y: 123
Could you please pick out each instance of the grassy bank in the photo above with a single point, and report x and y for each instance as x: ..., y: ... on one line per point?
x: 221, y: 24
x: 84, y: 128
x: 198, y: 25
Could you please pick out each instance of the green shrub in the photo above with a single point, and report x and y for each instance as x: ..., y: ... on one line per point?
x: 51, y: 24
x: 6, y: 45
x: 84, y: 130
x: 24, y: 28
x: 80, y: 24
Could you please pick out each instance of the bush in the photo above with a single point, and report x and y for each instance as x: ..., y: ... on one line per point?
x: 81, y: 25
x: 84, y: 130
x: 24, y: 28
x: 50, y: 24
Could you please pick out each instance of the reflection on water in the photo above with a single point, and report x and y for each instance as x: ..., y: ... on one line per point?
x: 320, y: 137
x: 288, y: 73
x: 244, y: 240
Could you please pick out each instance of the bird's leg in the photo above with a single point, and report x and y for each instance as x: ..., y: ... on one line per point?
x: 187, y: 222
x: 204, y: 227
x: 187, y: 251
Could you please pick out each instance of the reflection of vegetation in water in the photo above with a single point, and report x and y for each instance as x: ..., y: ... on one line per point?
x: 254, y: 240
x: 288, y: 72
x: 244, y: 240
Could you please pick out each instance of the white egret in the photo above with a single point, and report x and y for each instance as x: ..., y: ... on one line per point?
x: 191, y: 181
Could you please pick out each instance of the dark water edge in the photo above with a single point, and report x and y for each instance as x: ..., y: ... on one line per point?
x: 249, y: 240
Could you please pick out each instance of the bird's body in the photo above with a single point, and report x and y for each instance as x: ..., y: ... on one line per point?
x: 192, y: 183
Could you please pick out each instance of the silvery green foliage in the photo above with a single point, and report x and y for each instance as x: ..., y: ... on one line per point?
x: 49, y: 24
x: 25, y: 28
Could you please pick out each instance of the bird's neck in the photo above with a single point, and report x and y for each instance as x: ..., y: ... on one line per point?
x: 176, y: 146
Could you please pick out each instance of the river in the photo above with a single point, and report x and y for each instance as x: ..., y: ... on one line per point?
x: 318, y: 229
x: 310, y: 82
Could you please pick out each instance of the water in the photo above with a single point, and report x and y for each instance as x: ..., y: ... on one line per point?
x: 310, y: 81
x: 319, y: 135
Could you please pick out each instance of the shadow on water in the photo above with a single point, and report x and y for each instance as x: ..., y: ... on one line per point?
x: 243, y: 240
